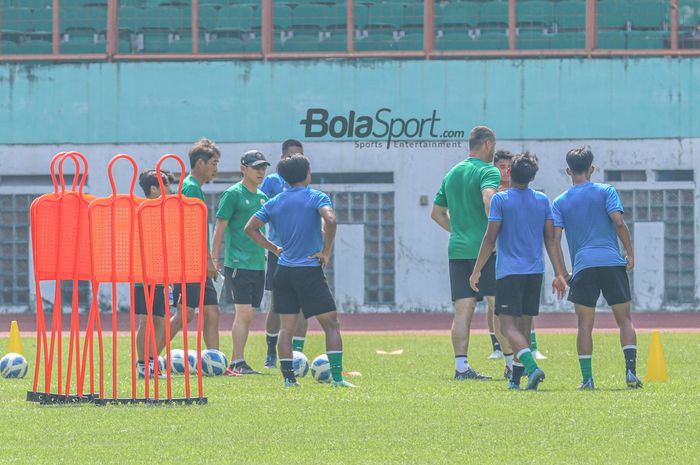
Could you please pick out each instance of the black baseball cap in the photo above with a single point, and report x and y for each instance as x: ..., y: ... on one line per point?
x: 254, y: 158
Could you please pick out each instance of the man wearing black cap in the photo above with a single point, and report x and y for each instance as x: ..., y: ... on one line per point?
x: 244, y: 260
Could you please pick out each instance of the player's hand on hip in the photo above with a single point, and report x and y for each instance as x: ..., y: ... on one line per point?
x: 278, y: 251
x: 559, y: 286
x: 212, y: 272
x: 323, y: 258
x: 474, y: 279
x: 630, y: 262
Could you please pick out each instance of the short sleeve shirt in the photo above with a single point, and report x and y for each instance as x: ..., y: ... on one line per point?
x: 191, y: 188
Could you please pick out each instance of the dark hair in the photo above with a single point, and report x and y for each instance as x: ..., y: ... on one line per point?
x: 294, y: 169
x: 203, y: 149
x: 502, y: 155
x: 290, y: 143
x: 479, y: 135
x: 579, y: 159
x: 523, y: 168
x: 149, y: 178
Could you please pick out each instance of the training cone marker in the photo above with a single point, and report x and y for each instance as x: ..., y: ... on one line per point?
x: 15, y: 344
x: 656, y: 365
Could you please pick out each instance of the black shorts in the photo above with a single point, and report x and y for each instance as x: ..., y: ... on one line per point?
x: 460, y: 271
x: 247, y: 286
x: 271, y: 267
x: 518, y: 295
x: 302, y: 288
x: 158, y: 301
x: 210, y: 296
x: 587, y: 284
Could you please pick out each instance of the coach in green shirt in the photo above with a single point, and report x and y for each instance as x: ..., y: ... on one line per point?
x: 244, y: 260
x: 461, y: 207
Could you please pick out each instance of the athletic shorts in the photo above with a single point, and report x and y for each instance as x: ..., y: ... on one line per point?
x: 612, y: 281
x: 210, y: 296
x: 158, y: 301
x: 518, y: 295
x: 246, y: 286
x: 271, y: 267
x: 460, y: 271
x: 301, y: 288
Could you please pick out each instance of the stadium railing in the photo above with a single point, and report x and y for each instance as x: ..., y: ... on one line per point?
x: 113, y: 30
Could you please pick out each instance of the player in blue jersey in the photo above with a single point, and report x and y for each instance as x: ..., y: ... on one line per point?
x: 304, y: 247
x: 591, y: 215
x: 271, y: 186
x: 520, y: 220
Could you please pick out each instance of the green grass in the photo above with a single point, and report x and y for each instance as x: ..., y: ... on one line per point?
x: 407, y: 410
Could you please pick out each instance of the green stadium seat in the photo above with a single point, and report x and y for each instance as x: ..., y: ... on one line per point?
x: 410, y: 41
x: 130, y: 18
x: 568, y: 40
x: 650, y: 14
x: 361, y: 16
x: 688, y: 14
x: 337, y: 18
x: 224, y: 45
x: 534, y: 14
x: 42, y: 21
x: 16, y: 20
x: 570, y: 15
x: 385, y: 16
x: 282, y: 15
x: 34, y: 4
x: 8, y: 47
x: 458, y: 15
x: 336, y: 42
x: 132, y: 3
x: 124, y: 45
x: 82, y: 42
x: 82, y: 3
x: 377, y: 39
x: 208, y: 16
x: 307, y: 41
x: 309, y: 17
x: 83, y: 18
x: 648, y: 40
x: 530, y: 39
x: 182, y: 44
x: 238, y: 18
x: 613, y: 14
x: 166, y: 18
x: 612, y: 39
x: 412, y: 17
x: 156, y: 42
x: 492, y: 40
x: 35, y: 46
x: 455, y: 40
x: 493, y: 15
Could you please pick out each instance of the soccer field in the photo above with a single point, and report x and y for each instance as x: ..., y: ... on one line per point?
x: 407, y: 409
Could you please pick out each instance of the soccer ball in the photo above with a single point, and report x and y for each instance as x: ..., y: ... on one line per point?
x: 300, y: 364
x: 162, y: 363
x: 177, y: 361
x: 13, y: 365
x: 321, y: 369
x: 214, y: 362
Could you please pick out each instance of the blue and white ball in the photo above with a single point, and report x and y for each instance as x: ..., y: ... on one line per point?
x: 214, y: 362
x: 321, y: 369
x: 300, y: 364
x: 13, y: 365
x: 177, y: 361
x: 162, y: 364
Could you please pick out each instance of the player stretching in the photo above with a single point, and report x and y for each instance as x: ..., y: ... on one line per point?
x: 148, y: 180
x: 461, y: 207
x: 299, y: 283
x: 519, y: 220
x: 204, y: 160
x: 244, y: 260
x: 591, y: 215
x: 273, y: 185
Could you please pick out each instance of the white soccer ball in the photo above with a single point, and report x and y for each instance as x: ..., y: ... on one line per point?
x: 300, y: 364
x: 13, y: 365
x: 177, y: 361
x: 321, y: 369
x: 162, y: 364
x: 214, y: 362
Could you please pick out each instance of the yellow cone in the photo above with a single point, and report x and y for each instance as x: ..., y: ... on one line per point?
x: 15, y: 344
x: 656, y: 365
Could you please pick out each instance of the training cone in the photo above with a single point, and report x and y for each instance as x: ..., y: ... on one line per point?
x: 15, y: 344
x: 656, y: 365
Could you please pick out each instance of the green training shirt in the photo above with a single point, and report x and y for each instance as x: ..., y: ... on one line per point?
x: 191, y: 188
x: 237, y: 205
x: 461, y: 194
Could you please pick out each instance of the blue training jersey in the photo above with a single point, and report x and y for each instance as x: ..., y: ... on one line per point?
x: 583, y: 211
x: 272, y: 185
x: 522, y: 214
x: 294, y: 215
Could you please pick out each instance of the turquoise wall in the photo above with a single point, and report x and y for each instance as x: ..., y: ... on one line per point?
x: 257, y: 101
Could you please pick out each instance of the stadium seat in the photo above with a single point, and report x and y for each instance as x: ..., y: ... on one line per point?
x: 83, y: 18
x: 124, y: 45
x: 530, y: 39
x: 376, y: 40
x: 337, y: 18
x: 534, y: 14
x: 568, y: 40
x: 310, y: 17
x: 337, y: 42
x: 35, y: 46
x: 648, y: 40
x: 16, y: 20
x: 650, y: 14
x: 455, y: 40
x: 493, y: 15
x: 688, y: 14
x: 130, y: 18
x: 42, y: 21
x: 156, y: 42
x: 282, y: 15
x: 182, y: 44
x: 166, y: 18
x: 361, y: 16
x: 208, y: 15
x: 302, y: 42
x: 238, y: 18
x: 82, y: 42
x: 461, y: 15
x: 224, y: 45
x: 412, y: 17
x: 612, y: 39
x: 412, y: 40
x: 132, y: 3
x: 34, y: 4
x: 570, y: 15
x: 613, y: 14
x: 491, y: 40
x: 385, y: 16
x: 8, y: 47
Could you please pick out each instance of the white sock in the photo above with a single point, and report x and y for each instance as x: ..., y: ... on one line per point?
x: 509, y: 360
x: 461, y: 364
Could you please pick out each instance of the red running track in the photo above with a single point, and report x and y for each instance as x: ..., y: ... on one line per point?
x: 409, y: 323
